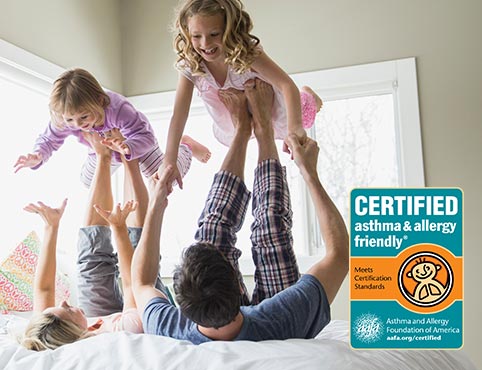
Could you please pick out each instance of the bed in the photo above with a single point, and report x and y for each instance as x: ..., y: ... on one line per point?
x: 330, y: 350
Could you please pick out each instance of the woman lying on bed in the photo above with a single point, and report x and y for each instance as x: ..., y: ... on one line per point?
x: 98, y: 288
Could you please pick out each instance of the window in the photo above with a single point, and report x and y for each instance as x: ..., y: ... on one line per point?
x: 25, y: 83
x: 185, y: 206
x: 368, y: 132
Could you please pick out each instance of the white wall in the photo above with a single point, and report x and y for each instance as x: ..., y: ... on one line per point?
x: 72, y: 33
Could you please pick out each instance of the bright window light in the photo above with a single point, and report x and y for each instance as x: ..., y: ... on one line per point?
x: 368, y: 132
x: 25, y: 116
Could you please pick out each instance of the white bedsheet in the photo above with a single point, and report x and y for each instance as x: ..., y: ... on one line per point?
x: 330, y: 351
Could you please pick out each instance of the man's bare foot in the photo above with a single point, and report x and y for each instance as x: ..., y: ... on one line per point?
x: 309, y: 90
x: 199, y: 151
x: 237, y: 105
x: 260, y: 96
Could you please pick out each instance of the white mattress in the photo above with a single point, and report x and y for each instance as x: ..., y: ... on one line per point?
x: 330, y: 351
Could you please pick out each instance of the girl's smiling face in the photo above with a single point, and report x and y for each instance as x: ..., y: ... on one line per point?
x: 83, y: 120
x: 206, y: 34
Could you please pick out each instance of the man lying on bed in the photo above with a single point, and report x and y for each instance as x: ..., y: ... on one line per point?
x: 98, y: 288
x: 212, y: 298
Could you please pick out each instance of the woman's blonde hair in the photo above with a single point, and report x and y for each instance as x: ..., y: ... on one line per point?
x: 240, y: 46
x: 47, y: 331
x: 74, y: 91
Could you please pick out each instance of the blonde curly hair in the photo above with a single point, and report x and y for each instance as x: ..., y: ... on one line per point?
x: 47, y: 331
x: 77, y: 90
x: 240, y: 46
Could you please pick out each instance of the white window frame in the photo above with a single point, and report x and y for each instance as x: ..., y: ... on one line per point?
x: 397, y: 77
x: 32, y: 72
x: 27, y: 69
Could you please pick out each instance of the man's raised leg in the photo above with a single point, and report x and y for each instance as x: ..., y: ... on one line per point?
x: 226, y: 205
x: 272, y: 242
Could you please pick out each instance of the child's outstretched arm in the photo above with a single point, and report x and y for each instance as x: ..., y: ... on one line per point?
x: 47, y: 142
x: 29, y: 160
x: 273, y: 74
x: 179, y: 117
x: 44, y: 281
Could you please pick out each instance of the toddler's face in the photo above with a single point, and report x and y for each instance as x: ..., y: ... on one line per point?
x: 84, y: 120
x: 207, y: 36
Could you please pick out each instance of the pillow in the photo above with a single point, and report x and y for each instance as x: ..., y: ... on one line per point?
x: 17, y: 274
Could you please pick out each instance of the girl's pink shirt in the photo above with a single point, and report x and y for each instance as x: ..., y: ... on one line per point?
x: 223, y: 127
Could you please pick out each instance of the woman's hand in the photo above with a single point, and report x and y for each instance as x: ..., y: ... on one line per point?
x: 95, y: 141
x: 117, y: 217
x: 115, y: 141
x: 51, y: 216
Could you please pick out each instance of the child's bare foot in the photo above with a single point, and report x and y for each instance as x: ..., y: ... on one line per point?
x: 260, y: 97
x: 309, y: 90
x: 199, y: 151
x: 237, y: 105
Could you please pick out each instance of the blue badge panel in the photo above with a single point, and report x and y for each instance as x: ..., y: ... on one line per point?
x: 406, y: 268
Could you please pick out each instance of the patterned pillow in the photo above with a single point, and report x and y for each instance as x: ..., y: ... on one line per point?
x: 17, y: 275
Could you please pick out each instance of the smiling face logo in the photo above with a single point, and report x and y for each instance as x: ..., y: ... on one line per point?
x: 428, y: 288
x: 425, y: 279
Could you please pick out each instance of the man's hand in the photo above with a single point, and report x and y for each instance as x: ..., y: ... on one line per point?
x: 30, y: 160
x: 160, y: 186
x: 50, y: 215
x: 304, y: 154
x: 300, y: 135
x: 174, y: 173
x: 117, y: 217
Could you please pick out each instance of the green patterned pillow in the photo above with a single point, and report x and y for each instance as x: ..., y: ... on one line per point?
x: 17, y: 275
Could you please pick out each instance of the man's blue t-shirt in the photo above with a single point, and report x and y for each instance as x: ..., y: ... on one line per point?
x: 300, y: 311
